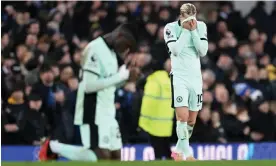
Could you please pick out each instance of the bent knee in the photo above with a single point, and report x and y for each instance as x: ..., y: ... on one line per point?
x: 103, y: 154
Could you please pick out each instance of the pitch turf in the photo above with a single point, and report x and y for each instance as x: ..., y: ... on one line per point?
x: 151, y: 163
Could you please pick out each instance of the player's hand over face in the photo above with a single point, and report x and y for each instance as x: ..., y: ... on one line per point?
x: 123, y: 72
x: 135, y: 60
x: 134, y: 63
x: 193, y: 25
x: 186, y: 25
x: 190, y: 25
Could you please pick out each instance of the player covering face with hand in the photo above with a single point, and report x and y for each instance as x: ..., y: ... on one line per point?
x: 101, y: 72
x: 186, y: 41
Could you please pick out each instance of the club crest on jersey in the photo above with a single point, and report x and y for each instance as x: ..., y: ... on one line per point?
x: 93, y: 59
x: 168, y: 33
x: 179, y: 99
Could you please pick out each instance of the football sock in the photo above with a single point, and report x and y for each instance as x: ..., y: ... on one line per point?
x: 190, y: 130
x: 72, y: 152
x: 182, y: 145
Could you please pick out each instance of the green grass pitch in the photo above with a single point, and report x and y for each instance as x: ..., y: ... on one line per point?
x: 150, y: 163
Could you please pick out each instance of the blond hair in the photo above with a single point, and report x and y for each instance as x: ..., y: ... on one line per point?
x: 187, y: 9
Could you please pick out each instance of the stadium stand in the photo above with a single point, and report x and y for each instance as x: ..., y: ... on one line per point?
x: 41, y: 44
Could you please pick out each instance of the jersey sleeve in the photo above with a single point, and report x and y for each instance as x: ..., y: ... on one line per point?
x: 202, y: 30
x: 169, y: 34
x: 90, y: 61
x: 170, y: 38
x: 199, y: 38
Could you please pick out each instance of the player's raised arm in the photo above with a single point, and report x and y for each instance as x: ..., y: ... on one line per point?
x: 187, y: 20
x: 171, y: 39
x: 93, y: 83
x: 90, y: 74
x: 175, y: 45
x: 198, y: 28
x: 199, y: 37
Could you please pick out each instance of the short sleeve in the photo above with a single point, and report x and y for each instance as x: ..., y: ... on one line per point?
x: 90, y: 61
x: 169, y: 34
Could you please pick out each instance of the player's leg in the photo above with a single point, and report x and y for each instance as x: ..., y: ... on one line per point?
x: 72, y: 152
x: 103, y: 154
x: 116, y: 141
x: 103, y: 150
x: 45, y: 153
x: 190, y: 127
x: 180, y: 96
x: 195, y: 105
x: 182, y: 145
x: 191, y: 121
x: 116, y: 155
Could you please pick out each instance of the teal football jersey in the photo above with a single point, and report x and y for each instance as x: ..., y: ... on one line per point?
x: 185, y: 58
x: 99, y: 60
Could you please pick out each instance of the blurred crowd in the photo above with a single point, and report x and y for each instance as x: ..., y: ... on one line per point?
x: 41, y: 45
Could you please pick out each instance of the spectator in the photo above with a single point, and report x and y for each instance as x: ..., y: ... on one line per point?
x: 5, y: 41
x: 233, y: 117
x: 13, y: 78
x: 270, y: 47
x: 33, y: 28
x: 76, y: 61
x: 224, y: 65
x: 156, y: 116
x: 208, y: 128
x: 65, y: 74
x: 158, y: 51
x: 208, y: 98
x: 33, y: 124
x: 259, y: 15
x: 239, y: 71
x: 209, y: 79
x: 52, y: 97
x: 262, y: 131
x: 11, y: 117
x: 265, y: 84
x: 73, y: 83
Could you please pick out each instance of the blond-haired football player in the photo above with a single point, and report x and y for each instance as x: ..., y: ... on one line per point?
x: 186, y: 41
